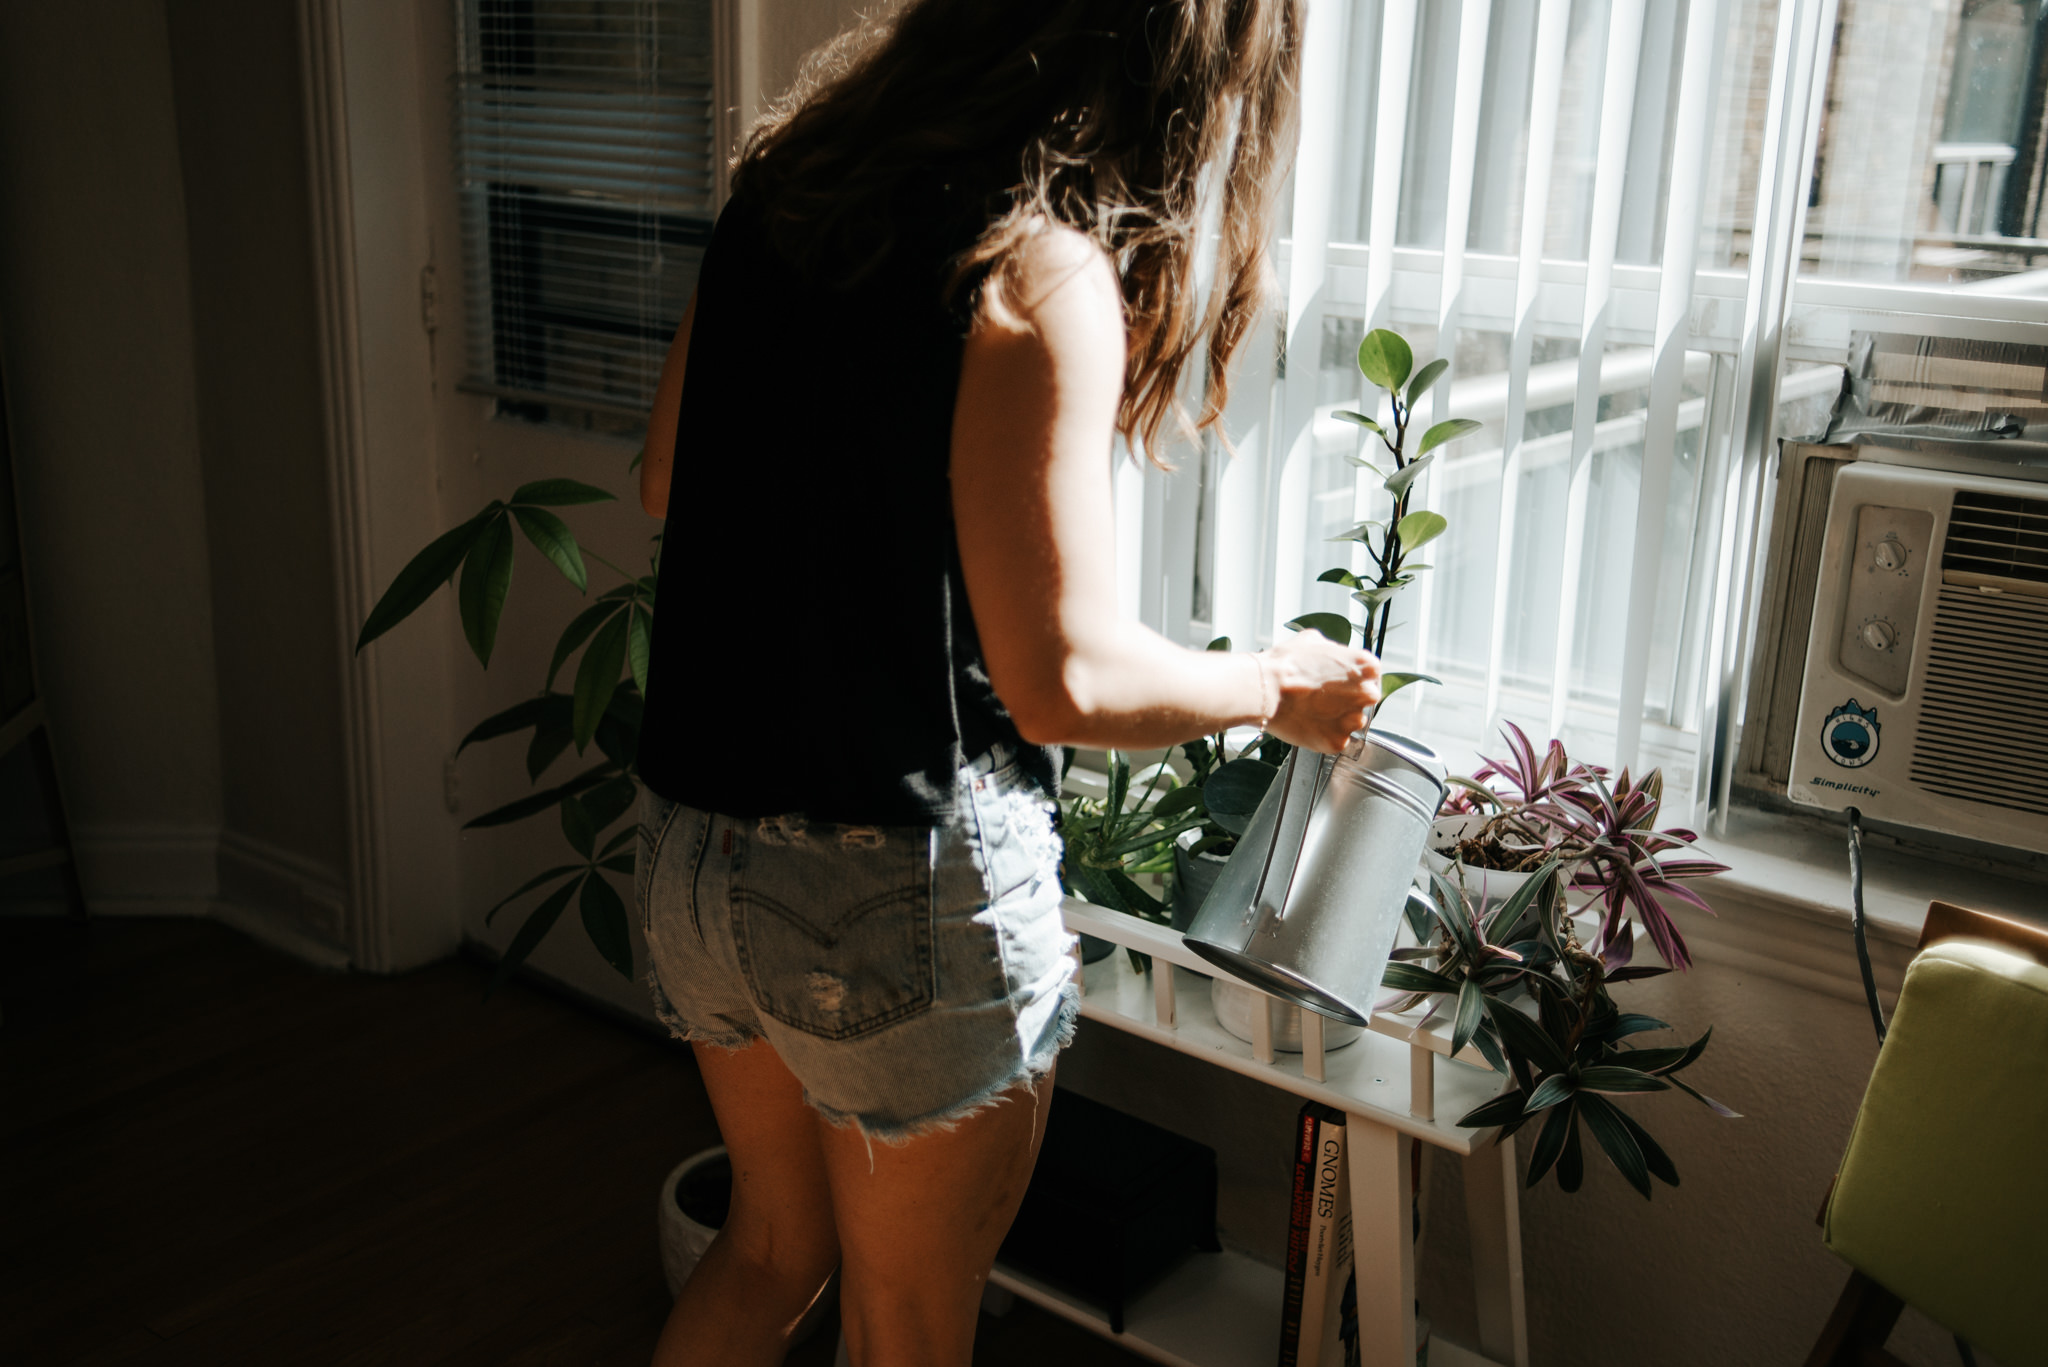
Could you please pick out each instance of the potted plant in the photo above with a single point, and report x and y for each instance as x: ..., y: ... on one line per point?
x: 1386, y: 360
x: 1533, y: 998
x: 1208, y: 809
x: 1518, y: 815
x: 601, y: 707
x: 1224, y: 789
x: 1108, y: 843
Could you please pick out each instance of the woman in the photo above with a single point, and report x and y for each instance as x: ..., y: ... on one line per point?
x: 954, y: 267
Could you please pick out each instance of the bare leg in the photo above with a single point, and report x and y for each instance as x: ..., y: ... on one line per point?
x: 778, y: 1247
x: 920, y: 1224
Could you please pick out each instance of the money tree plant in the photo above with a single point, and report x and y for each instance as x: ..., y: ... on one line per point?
x: 600, y: 708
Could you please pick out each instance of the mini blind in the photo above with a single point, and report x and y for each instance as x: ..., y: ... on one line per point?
x: 584, y: 163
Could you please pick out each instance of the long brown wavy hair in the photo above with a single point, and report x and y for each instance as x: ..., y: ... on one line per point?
x: 1104, y: 115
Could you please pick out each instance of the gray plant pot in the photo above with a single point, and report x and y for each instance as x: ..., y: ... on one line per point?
x: 1094, y: 949
x: 1193, y: 876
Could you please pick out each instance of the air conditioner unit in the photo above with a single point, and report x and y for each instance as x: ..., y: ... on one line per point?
x: 1922, y: 674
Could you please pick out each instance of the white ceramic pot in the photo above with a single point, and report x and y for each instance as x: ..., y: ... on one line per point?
x: 1490, y: 886
x: 684, y: 1240
x: 1235, y: 1003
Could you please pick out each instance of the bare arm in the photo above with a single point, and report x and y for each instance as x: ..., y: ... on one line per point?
x: 1039, y: 386
x: 659, y: 454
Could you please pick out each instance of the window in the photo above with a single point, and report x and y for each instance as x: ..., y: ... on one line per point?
x: 585, y: 164
x: 1930, y: 170
x: 1643, y: 232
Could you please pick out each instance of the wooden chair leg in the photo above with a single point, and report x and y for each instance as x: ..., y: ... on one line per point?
x: 1856, y: 1331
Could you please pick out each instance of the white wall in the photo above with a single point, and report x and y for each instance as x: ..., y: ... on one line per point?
x: 156, y: 301
x: 277, y: 643
x: 95, y: 303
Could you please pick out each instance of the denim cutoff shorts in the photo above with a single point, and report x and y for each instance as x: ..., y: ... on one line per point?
x: 907, y: 975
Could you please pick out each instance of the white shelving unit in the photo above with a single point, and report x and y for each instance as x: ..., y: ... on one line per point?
x: 1223, y: 1310
x: 1214, y: 1310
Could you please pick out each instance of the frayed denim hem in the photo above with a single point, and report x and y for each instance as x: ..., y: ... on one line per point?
x: 1030, y: 1073
x: 736, y: 1037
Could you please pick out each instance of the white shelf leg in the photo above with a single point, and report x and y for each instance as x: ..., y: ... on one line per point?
x: 1262, y: 1029
x: 1162, y: 994
x: 1493, y: 1212
x: 1311, y: 1044
x: 1421, y: 1083
x: 1382, y: 1233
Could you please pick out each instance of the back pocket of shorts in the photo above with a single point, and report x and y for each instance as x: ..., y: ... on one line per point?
x: 834, y: 935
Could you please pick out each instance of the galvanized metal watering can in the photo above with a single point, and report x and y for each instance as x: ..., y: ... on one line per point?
x: 1308, y: 906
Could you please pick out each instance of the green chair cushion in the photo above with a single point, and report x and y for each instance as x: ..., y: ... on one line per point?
x: 1943, y: 1193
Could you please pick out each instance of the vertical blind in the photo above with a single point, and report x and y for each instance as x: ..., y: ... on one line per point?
x: 1643, y: 233
x: 1588, y: 207
x: 584, y: 164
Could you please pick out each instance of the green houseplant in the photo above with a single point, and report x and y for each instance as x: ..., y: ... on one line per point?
x: 1534, y: 1000
x: 1108, y: 842
x: 1386, y: 360
x: 1167, y: 819
x: 1526, y: 978
x: 600, y: 709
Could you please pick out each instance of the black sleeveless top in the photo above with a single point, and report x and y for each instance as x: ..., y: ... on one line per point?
x: 813, y: 650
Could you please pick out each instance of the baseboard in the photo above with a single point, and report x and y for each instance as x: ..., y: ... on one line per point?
x: 301, y: 897
x: 293, y: 904
x: 127, y: 869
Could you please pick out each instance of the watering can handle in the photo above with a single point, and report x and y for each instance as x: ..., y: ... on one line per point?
x: 1289, y: 777
x: 1286, y: 782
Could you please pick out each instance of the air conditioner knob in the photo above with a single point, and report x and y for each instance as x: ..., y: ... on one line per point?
x: 1880, y: 635
x: 1890, y: 554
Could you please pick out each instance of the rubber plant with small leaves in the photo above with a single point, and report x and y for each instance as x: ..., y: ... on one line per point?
x: 1107, y: 842
x: 1111, y: 842
x: 1387, y: 361
x: 1522, y: 990
x: 600, y: 709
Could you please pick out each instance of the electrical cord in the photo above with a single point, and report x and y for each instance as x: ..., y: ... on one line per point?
x: 1856, y: 921
x: 1870, y: 978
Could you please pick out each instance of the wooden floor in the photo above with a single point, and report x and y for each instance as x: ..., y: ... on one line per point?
x: 210, y: 1153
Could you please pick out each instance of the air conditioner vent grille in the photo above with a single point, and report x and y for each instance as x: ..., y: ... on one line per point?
x: 1999, y: 535
x: 1984, y: 705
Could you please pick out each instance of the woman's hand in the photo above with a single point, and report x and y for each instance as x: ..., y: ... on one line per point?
x: 1324, y: 690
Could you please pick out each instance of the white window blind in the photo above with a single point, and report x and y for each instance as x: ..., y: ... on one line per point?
x: 1599, y: 211
x: 584, y: 160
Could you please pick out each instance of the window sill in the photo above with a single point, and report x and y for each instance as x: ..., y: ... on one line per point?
x: 1802, y: 870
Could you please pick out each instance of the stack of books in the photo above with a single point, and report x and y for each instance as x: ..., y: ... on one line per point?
x: 1319, y: 1319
